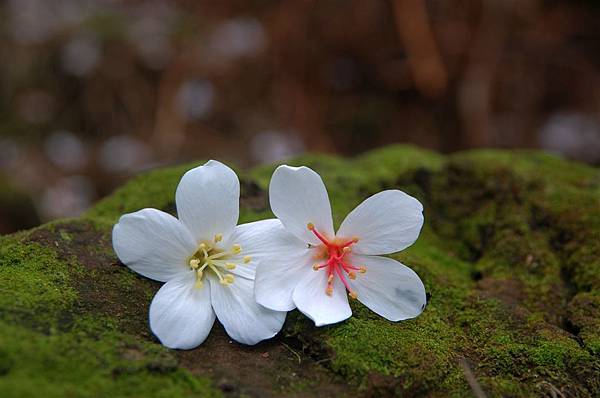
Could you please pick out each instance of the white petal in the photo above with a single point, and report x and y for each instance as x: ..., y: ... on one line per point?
x: 244, y: 320
x: 284, y: 260
x: 257, y: 240
x: 386, y: 222
x: 153, y: 243
x: 207, y: 199
x: 311, y: 299
x: 389, y: 288
x: 181, y: 315
x: 298, y: 197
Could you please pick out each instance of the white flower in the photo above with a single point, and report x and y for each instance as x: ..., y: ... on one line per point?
x: 207, y: 262
x: 311, y: 267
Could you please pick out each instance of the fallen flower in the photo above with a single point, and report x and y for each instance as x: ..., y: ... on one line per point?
x: 312, y: 268
x: 207, y: 262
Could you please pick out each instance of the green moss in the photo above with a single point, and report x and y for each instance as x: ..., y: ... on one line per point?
x: 509, y: 255
x: 366, y: 344
x: 395, y: 161
x: 48, y: 345
x: 36, y: 285
x: 583, y: 314
x: 518, y: 354
x: 533, y: 165
x: 76, y: 365
x: 495, y: 210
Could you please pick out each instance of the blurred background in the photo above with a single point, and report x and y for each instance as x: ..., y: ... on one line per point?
x: 94, y: 91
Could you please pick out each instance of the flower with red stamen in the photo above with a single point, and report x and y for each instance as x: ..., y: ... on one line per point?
x: 314, y: 269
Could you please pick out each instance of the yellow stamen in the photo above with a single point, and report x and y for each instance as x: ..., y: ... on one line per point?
x: 310, y: 226
x: 218, y: 237
x: 199, y: 274
x: 362, y: 269
x: 194, y: 263
x: 329, y: 291
x: 218, y: 255
x: 352, y: 275
x: 228, y: 278
x: 353, y: 294
x: 198, y: 284
x: 216, y: 271
x: 316, y: 267
x: 235, y: 249
x: 230, y: 265
x: 247, y: 259
x: 330, y: 279
x: 202, y: 268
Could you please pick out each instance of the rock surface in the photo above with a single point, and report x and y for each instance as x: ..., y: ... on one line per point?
x: 510, y: 257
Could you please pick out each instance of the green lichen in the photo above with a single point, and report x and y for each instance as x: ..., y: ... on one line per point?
x: 509, y: 254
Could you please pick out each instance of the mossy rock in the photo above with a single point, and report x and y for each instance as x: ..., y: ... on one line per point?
x: 509, y: 254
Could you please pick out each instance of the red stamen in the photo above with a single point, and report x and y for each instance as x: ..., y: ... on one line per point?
x: 329, y: 289
x: 349, y: 266
x: 344, y: 281
x: 317, y: 267
x: 311, y: 227
x: 349, y: 243
x: 336, y: 252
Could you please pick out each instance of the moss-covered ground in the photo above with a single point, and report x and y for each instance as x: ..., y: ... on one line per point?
x: 510, y: 257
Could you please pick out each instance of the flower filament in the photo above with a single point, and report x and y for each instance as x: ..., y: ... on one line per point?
x: 209, y: 257
x: 336, y: 264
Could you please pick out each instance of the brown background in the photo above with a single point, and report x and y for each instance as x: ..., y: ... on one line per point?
x: 94, y: 91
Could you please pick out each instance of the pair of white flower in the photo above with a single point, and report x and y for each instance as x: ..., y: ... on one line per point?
x: 249, y: 275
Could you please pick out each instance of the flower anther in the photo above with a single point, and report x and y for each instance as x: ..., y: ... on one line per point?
x: 210, y: 257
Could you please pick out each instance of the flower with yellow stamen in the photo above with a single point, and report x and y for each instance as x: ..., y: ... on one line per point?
x: 205, y: 259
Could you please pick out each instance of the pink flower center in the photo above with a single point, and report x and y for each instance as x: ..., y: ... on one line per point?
x: 336, y: 265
